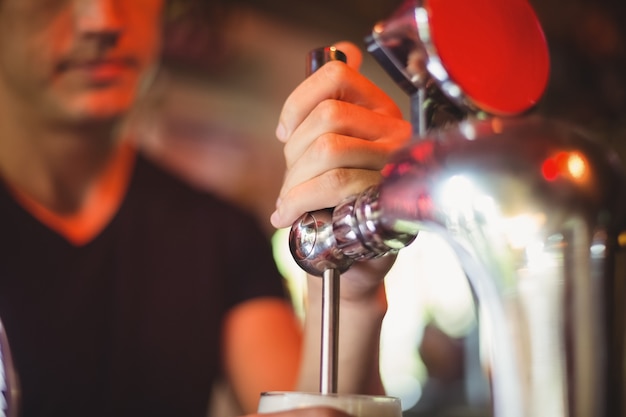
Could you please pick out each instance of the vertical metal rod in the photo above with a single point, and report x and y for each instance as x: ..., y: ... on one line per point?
x: 330, y: 278
x: 330, y: 331
x: 418, y: 111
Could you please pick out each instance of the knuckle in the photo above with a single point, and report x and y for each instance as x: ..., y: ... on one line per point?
x: 328, y: 111
x: 336, y: 179
x: 326, y: 146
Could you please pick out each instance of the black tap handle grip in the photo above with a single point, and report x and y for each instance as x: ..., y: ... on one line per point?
x: 319, y: 56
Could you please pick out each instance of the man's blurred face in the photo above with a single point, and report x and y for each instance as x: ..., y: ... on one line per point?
x: 76, y: 60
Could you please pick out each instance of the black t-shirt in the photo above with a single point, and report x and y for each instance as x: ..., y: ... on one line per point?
x: 129, y: 323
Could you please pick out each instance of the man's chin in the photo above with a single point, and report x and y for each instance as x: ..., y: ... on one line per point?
x: 98, y: 110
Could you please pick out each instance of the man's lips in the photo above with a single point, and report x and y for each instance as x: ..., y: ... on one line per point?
x: 98, y: 70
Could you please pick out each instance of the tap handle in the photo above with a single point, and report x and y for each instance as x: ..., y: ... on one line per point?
x: 311, y: 240
x: 335, y: 238
x: 313, y: 245
x: 320, y: 225
x: 319, y: 56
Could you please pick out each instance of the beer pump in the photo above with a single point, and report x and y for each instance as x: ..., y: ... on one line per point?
x: 532, y: 208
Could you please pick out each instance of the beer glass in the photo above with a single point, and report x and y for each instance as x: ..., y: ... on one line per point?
x: 356, y: 405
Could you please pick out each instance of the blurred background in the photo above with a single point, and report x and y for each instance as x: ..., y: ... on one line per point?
x: 211, y: 114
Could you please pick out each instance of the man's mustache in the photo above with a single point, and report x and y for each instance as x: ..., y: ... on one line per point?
x: 95, y: 50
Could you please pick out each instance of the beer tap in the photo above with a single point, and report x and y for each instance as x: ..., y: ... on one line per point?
x: 531, y: 207
x: 505, y: 77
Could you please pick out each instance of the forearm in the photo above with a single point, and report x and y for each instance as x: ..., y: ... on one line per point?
x: 360, y: 322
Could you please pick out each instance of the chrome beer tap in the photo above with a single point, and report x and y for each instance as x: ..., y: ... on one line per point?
x: 532, y: 208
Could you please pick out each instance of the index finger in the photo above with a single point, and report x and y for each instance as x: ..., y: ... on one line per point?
x: 333, y: 81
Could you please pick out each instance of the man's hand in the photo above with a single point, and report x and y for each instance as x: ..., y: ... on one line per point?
x: 339, y: 130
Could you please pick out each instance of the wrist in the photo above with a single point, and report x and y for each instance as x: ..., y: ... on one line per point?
x: 354, y: 294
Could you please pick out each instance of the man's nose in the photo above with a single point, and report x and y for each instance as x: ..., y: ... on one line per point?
x: 99, y: 18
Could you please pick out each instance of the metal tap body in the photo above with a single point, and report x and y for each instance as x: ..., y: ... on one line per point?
x: 533, y: 210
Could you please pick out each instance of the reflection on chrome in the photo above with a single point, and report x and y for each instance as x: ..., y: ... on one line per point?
x: 537, y: 246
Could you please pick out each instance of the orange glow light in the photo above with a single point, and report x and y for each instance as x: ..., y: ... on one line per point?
x: 570, y: 164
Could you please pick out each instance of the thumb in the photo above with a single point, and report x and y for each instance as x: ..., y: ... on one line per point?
x: 353, y: 53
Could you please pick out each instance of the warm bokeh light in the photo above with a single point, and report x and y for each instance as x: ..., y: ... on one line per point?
x: 565, y: 164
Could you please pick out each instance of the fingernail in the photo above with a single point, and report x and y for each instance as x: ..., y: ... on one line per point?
x: 275, y: 219
x: 281, y: 133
